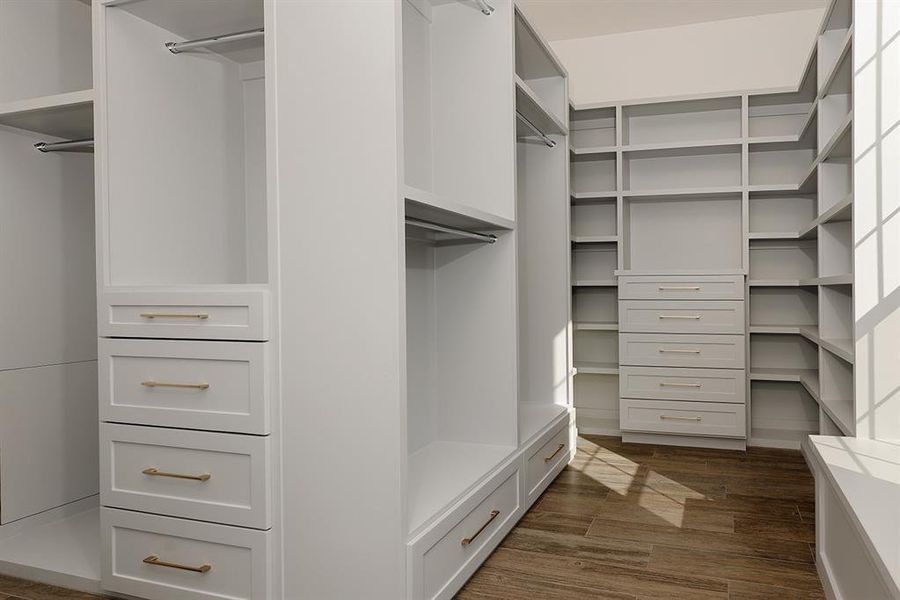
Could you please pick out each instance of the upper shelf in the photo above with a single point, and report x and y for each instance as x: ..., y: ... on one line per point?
x: 69, y: 116
x: 532, y: 108
x: 430, y: 207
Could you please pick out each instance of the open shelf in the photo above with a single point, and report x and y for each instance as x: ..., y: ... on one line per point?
x: 780, y: 163
x: 809, y: 378
x: 837, y: 390
x: 592, y: 131
x: 840, y: 143
x: 596, y: 326
x: 593, y: 196
x: 532, y: 108
x: 594, y: 263
x: 539, y: 72
x: 595, y: 305
x: 429, y: 207
x: 840, y: 347
x: 781, y: 262
x: 535, y: 416
x: 793, y: 307
x: 789, y: 439
x: 682, y: 169
x: 786, y: 358
x: 596, y: 347
x: 783, y: 412
x: 594, y: 239
x: 595, y: 219
x: 698, y: 192
x: 441, y: 472
x: 68, y: 116
x: 840, y: 211
x: 596, y: 368
x: 593, y: 174
x: 683, y: 121
x: 684, y: 147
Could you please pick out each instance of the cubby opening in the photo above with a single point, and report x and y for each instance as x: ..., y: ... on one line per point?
x: 592, y: 129
x: 837, y: 391
x: 833, y: 40
x: 199, y: 214
x: 781, y: 213
x: 458, y: 296
x: 594, y: 264
x: 688, y: 121
x: 595, y: 307
x: 782, y: 414
x: 539, y: 71
x: 439, y: 115
x: 597, y: 403
x: 593, y: 173
x: 835, y: 182
x: 782, y: 262
x: 789, y: 358
x: 836, y: 318
x: 836, y: 249
x: 835, y: 119
x: 596, y: 352
x: 783, y: 308
x: 682, y: 168
x: 780, y: 163
x: 786, y: 114
x: 706, y: 231
x: 593, y: 219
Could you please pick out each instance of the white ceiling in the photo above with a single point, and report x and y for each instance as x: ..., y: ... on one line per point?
x: 569, y: 19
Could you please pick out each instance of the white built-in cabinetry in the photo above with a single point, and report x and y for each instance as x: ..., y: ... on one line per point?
x: 719, y: 191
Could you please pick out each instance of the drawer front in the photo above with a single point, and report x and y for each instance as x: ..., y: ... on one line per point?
x: 681, y: 316
x: 187, y: 384
x: 544, y: 460
x: 193, y: 474
x: 443, y: 558
x: 140, y: 553
x: 693, y: 385
x: 675, y: 287
x: 683, y: 418
x: 202, y: 315
x: 665, y: 350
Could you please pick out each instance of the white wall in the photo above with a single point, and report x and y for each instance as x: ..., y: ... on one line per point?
x: 749, y: 53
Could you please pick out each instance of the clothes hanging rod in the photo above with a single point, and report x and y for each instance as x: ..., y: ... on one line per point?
x: 550, y: 143
x: 70, y: 146
x: 178, y: 47
x: 482, y: 237
x: 486, y: 8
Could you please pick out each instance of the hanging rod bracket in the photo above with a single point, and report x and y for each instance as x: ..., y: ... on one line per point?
x: 485, y: 8
x: 487, y: 238
x: 179, y: 47
x: 71, y: 146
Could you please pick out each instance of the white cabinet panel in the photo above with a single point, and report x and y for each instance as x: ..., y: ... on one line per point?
x: 698, y: 385
x: 683, y: 418
x: 544, y: 460
x: 681, y: 316
x: 667, y: 350
x: 674, y: 287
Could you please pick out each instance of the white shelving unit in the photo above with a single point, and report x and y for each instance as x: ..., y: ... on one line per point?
x: 770, y: 175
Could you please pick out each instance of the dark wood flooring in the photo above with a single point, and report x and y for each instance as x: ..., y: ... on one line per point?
x: 635, y: 522
x: 12, y: 588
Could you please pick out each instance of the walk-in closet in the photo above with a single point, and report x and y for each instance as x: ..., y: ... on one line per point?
x: 449, y: 299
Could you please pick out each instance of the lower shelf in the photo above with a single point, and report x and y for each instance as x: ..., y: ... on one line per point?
x: 841, y: 413
x: 441, y: 472
x: 596, y: 368
x: 809, y: 378
x: 790, y: 439
x: 534, y: 416
x: 64, y: 552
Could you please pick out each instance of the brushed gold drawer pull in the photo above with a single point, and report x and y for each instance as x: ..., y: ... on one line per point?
x: 469, y: 540
x: 676, y: 418
x: 676, y: 351
x: 674, y: 384
x: 154, y: 472
x: 198, y: 316
x: 689, y: 317
x: 154, y: 560
x: 555, y: 452
x: 681, y: 288
x: 190, y: 386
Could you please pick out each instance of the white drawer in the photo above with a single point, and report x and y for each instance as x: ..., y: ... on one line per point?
x: 445, y: 556
x: 694, y: 385
x: 219, y: 477
x: 683, y: 418
x: 682, y: 350
x: 681, y: 316
x: 545, y: 459
x: 677, y: 287
x: 219, y: 386
x: 179, y: 314
x: 140, y: 553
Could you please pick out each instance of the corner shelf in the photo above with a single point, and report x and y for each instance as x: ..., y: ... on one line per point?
x: 842, y: 55
x: 845, y: 279
x: 840, y: 144
x: 808, y: 378
x: 68, y: 116
x: 842, y: 348
x: 842, y: 211
x: 531, y: 106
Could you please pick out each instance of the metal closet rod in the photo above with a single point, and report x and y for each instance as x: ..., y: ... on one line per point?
x: 482, y: 237
x: 178, y: 47
x: 64, y: 146
x: 485, y: 7
x: 550, y: 143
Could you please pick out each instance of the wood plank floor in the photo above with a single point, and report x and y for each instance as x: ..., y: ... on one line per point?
x: 636, y: 522
x: 12, y: 588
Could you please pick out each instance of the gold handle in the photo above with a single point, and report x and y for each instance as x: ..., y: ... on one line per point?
x: 192, y: 386
x: 469, y: 540
x: 154, y: 560
x: 670, y: 384
x: 673, y: 418
x: 686, y: 288
x: 557, y: 451
x: 691, y: 317
x: 200, y: 316
x: 675, y: 351
x: 157, y: 473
